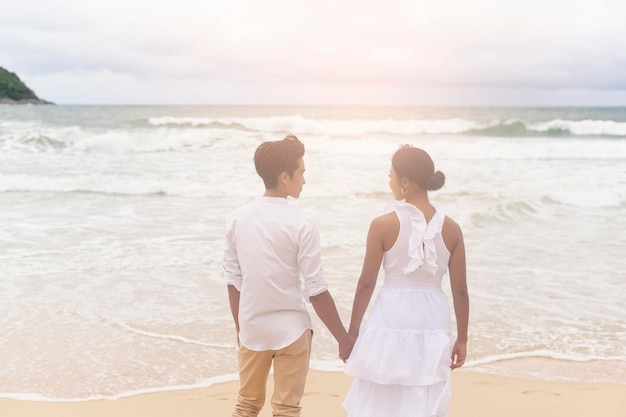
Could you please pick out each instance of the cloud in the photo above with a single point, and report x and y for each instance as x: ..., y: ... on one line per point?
x: 280, y: 50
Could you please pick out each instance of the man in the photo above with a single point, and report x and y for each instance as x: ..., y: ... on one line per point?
x: 269, y: 246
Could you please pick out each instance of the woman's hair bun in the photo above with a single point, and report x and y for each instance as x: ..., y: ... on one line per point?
x: 436, y: 181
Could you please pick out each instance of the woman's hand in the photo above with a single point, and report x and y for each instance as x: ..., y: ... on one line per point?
x: 459, y: 352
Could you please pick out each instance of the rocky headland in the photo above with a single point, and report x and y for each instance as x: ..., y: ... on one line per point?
x: 14, y: 91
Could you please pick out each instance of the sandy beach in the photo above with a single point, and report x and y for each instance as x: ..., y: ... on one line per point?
x: 474, y: 395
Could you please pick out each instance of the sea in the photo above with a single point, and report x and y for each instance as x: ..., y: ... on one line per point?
x: 112, y: 232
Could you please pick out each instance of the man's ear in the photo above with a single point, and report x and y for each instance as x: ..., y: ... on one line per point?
x: 283, y: 177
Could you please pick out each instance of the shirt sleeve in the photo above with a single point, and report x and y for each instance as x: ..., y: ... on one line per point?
x: 230, y: 263
x: 310, y: 262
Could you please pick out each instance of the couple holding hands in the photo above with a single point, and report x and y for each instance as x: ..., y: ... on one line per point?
x: 402, y: 357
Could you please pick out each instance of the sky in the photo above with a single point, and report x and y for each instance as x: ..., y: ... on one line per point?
x: 393, y: 52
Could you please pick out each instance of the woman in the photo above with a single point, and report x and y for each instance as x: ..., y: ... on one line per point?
x: 402, y: 359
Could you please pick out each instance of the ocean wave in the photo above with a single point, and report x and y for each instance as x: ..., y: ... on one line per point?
x: 359, y: 127
x: 205, y: 383
x: 302, y: 125
x: 29, y: 137
x: 587, y: 198
x: 201, y: 122
x: 539, y: 205
x: 189, y: 134
x: 552, y: 128
x: 547, y: 354
x: 110, y: 185
x: 581, y: 127
x: 160, y: 139
x: 177, y: 338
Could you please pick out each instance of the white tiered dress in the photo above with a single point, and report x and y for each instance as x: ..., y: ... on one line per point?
x: 401, y: 360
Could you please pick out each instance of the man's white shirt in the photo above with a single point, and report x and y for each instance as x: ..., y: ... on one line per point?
x: 269, y: 247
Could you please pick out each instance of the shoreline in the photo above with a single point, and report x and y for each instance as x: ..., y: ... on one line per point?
x: 539, y: 369
x: 474, y: 394
x: 35, y: 101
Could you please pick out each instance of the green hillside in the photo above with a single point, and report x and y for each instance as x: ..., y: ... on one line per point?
x: 13, y: 89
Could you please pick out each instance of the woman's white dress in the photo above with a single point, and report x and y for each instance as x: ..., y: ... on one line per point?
x: 401, y: 360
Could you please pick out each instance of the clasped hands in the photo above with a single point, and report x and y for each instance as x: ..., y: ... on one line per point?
x: 345, y: 347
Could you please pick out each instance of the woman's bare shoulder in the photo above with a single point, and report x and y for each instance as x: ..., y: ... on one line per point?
x: 385, y: 229
x: 385, y: 220
x: 451, y: 233
x: 450, y: 224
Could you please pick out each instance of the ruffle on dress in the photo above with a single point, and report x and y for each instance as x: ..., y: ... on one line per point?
x: 401, y: 357
x: 422, y: 249
x: 368, y: 399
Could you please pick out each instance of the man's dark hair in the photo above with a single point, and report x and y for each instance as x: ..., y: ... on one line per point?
x: 272, y: 158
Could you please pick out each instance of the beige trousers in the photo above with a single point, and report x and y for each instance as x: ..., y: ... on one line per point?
x: 291, y: 365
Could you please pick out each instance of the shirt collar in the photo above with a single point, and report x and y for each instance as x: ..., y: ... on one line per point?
x: 274, y: 200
